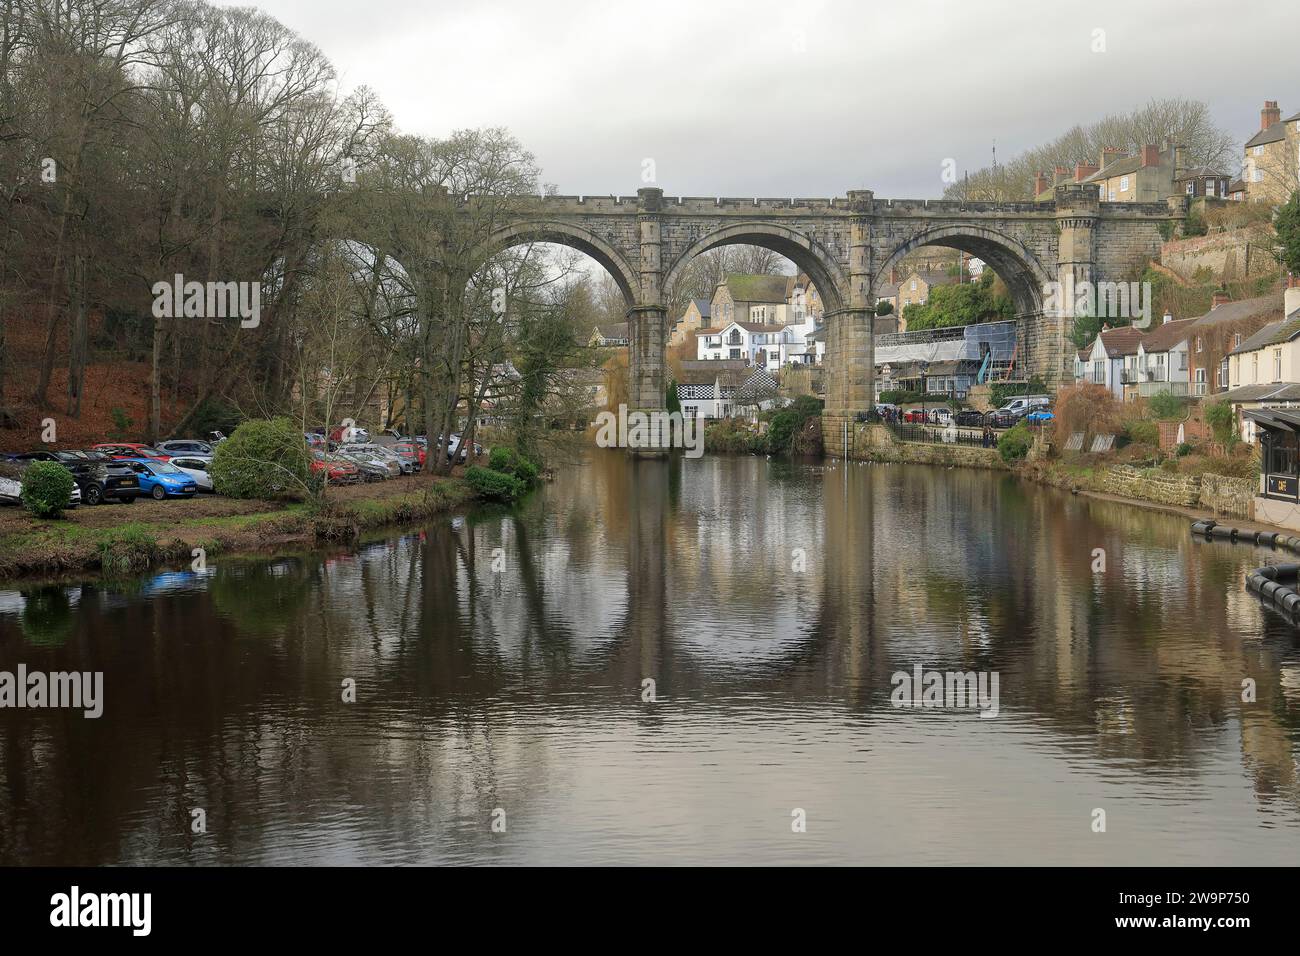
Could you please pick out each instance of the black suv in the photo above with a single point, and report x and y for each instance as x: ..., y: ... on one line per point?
x: 99, y: 477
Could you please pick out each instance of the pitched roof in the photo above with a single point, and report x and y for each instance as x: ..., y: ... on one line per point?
x: 1241, y: 309
x: 702, y: 306
x: 1198, y: 172
x: 1271, y: 135
x: 1275, y: 333
x: 1167, y: 335
x: 758, y: 328
x: 752, y: 288
x: 616, y: 331
x: 1122, y: 340
x: 1122, y: 166
x: 758, y: 386
x: 1269, y: 392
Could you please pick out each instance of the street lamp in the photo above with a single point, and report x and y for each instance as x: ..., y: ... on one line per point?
x: 923, y: 365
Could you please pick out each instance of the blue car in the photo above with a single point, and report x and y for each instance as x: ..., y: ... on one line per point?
x: 1038, y: 416
x: 162, y: 479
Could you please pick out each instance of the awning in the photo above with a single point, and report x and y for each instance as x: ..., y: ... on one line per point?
x: 1287, y: 419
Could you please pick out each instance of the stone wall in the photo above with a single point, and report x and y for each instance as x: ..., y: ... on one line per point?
x: 1217, y: 493
x: 1228, y: 255
x: 877, y: 443
x: 1229, y: 496
x: 1148, y: 485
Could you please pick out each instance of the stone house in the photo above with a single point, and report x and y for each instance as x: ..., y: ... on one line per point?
x: 1215, y: 334
x: 610, y: 336
x: 750, y: 298
x: 915, y: 290
x: 1202, y: 182
x: 1271, y: 165
x: 693, y: 319
x: 1148, y: 176
x: 1264, y: 370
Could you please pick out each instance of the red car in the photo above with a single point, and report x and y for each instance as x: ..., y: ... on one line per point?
x: 412, y: 451
x: 339, y: 472
x: 120, y: 450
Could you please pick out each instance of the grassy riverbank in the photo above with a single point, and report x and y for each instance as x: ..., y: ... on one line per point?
x: 126, y: 538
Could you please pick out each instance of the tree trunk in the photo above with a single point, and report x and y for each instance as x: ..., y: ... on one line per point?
x: 79, y: 337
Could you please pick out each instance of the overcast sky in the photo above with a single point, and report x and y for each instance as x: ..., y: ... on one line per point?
x: 798, y: 98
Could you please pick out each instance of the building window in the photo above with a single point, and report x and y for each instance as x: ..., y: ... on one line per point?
x: 1259, y: 150
x: 1223, y: 374
x: 1259, y: 175
x: 913, y: 285
x: 1112, y: 195
x: 1277, y: 365
x: 1123, y: 184
x: 1236, y: 340
x: 1191, y: 189
x: 1209, y: 187
x: 1200, y: 376
x: 1200, y: 345
x: 1099, y: 371
x: 735, y: 353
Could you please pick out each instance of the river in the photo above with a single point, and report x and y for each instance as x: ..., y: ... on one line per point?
x: 674, y: 662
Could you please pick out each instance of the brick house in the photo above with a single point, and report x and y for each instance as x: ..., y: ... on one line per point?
x: 1213, y: 336
x: 1271, y: 163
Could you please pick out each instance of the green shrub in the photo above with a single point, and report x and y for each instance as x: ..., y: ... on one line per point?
x: 780, y: 431
x: 1165, y: 404
x: 493, y: 485
x: 46, y: 489
x: 1183, y: 450
x: 898, y: 396
x: 1139, y: 431
x: 264, y: 458
x: 510, y: 462
x: 1221, y: 419
x: 1015, y: 442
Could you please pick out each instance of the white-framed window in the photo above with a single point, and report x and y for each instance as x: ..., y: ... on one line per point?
x: 1254, y: 367
x: 913, y: 285
x: 1200, y: 344
x: 1236, y: 340
x: 1209, y: 187
x: 1259, y: 175
x: 1259, y: 150
x: 1277, y: 365
x: 1112, y: 195
x: 1099, y: 371
x: 1191, y: 188
x: 1223, y: 374
x: 1200, y: 376
x: 1123, y: 184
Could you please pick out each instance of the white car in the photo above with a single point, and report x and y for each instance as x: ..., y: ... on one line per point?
x: 11, y: 493
x: 196, y: 466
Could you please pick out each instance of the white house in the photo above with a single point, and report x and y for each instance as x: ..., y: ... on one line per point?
x: 1162, y: 359
x: 1111, y: 359
x: 748, y: 341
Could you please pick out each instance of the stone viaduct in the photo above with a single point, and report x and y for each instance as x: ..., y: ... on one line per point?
x: 847, y: 246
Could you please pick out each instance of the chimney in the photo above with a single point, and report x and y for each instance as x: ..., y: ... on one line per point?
x: 1108, y: 154
x: 1150, y: 155
x: 1291, y: 301
x: 1221, y: 297
x: 1040, y: 183
x: 1269, y: 115
x: 1060, y: 174
x: 1169, y: 317
x: 1180, y: 157
x: 1083, y: 170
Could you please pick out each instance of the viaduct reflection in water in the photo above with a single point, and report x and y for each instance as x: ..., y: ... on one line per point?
x: 499, y: 661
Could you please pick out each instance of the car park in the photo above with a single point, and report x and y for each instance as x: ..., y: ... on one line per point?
x: 376, y: 456
x: 98, y: 477
x: 196, y: 466
x: 338, y: 470
x: 162, y: 479
x: 413, y: 451
x: 11, y: 484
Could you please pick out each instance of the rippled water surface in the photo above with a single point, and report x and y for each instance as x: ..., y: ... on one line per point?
x: 499, y: 662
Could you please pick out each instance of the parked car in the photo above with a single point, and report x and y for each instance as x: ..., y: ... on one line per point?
x: 1039, y: 415
x: 339, y: 470
x: 123, y: 451
x: 940, y: 416
x: 11, y: 484
x: 98, y: 477
x: 1005, y: 418
x: 350, y: 433
x: 916, y: 416
x: 186, y: 446
x: 196, y: 466
x: 370, y: 466
x: 397, y: 463
x: 970, y: 418
x: 412, y: 451
x: 1025, y: 403
x: 162, y: 479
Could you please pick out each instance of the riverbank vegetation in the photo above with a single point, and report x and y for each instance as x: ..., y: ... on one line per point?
x: 794, y: 429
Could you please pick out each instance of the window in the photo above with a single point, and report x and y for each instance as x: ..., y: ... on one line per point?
x: 1254, y: 368
x: 1191, y: 189
x: 1223, y: 374
x: 1200, y: 376
x: 1259, y: 150
x: 1281, y: 453
x: 1123, y: 184
x: 1099, y: 371
x: 1200, y: 344
x: 1259, y: 175
x: 913, y: 285
x: 735, y: 353
x: 1112, y: 195
x: 1236, y: 340
x: 1209, y: 187
x: 1277, y: 365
